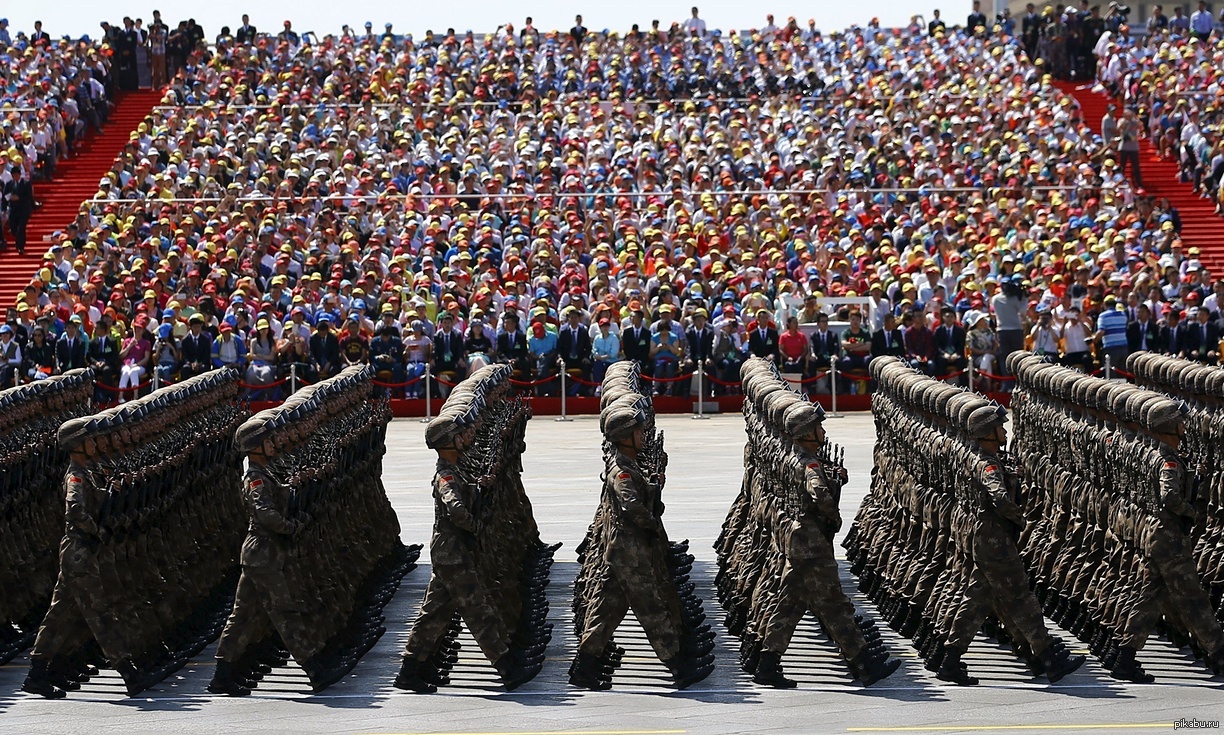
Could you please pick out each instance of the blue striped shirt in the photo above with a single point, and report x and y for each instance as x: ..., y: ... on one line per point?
x: 1112, y: 325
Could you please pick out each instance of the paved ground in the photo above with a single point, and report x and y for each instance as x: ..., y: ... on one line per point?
x: 563, y: 465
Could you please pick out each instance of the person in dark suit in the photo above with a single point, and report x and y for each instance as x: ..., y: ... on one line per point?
x: 574, y: 349
x: 512, y: 345
x: 19, y: 199
x: 826, y: 346
x: 195, y: 350
x: 246, y: 32
x: 1197, y: 337
x: 104, y: 351
x: 1143, y: 334
x: 325, y: 348
x: 72, y: 348
x: 949, y: 343
x: 39, y: 36
x: 635, y: 341
x: 763, y: 340
x: 888, y: 340
x: 700, y: 338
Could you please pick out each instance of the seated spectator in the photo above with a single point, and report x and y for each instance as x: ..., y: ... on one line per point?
x: 666, y: 351
x: 418, y: 353
x: 38, y: 357
x: 983, y: 349
x: 229, y: 349
x: 261, y: 357
x: 165, y: 354
x: 605, y: 350
x: 728, y: 355
x: 72, y: 348
x: 478, y: 348
x: 387, y: 356
x: 856, y: 346
x: 919, y: 343
x: 574, y: 348
x: 1143, y: 334
x: 10, y: 355
x: 137, y: 355
x: 104, y: 350
x: 636, y: 340
x: 949, y: 343
x: 794, y: 348
x: 325, y: 349
x: 889, y: 339
x: 195, y: 349
x: 512, y: 346
x: 542, y: 346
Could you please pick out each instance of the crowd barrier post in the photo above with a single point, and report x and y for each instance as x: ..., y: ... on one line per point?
x: 969, y: 372
x: 292, y: 378
x: 564, y: 374
x: 700, y: 392
x: 1108, y: 367
x: 833, y: 389
x: 428, y: 394
x: 156, y: 379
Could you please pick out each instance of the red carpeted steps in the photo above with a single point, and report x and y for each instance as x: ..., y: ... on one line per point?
x: 1201, y: 226
x: 76, y: 179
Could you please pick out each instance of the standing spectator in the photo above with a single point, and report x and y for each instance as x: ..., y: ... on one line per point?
x: 1009, y: 307
x: 794, y: 348
x: 574, y: 348
x: 1157, y: 21
x: 695, y: 26
x: 325, y: 349
x: 1128, y: 145
x: 1201, y: 22
x: 448, y: 352
x: 195, y: 349
x: 949, y: 343
x: 919, y: 343
x: 19, y: 203
x: 605, y: 350
x: 165, y: 353
x: 763, y: 341
x: 159, y: 35
x: 1179, y: 23
x: 38, y: 357
x: 1044, y: 337
x: 245, y: 34
x: 976, y: 22
x: 136, y: 355
x: 1171, y: 331
x: 1143, y: 334
x: 71, y: 350
x: 1111, y: 331
x: 578, y: 32
x: 826, y: 349
x: 1109, y: 126
x: 1075, y: 336
x: 936, y: 25
x: 1200, y: 337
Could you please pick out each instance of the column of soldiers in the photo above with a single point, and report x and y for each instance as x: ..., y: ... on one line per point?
x: 626, y: 560
x: 489, y: 568
x: 935, y: 541
x: 322, y: 554
x: 1111, y: 507
x: 775, y: 552
x: 153, y: 524
x: 1202, y: 388
x: 32, y: 469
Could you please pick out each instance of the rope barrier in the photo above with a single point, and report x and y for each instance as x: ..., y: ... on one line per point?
x: 113, y: 389
x: 405, y: 384
x: 531, y: 383
x: 273, y: 384
x: 677, y: 379
x: 1004, y: 378
x: 723, y: 383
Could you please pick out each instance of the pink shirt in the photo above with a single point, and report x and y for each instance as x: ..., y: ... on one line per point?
x: 138, y: 350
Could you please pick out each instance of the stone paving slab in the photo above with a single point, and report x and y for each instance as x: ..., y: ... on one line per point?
x: 561, y: 474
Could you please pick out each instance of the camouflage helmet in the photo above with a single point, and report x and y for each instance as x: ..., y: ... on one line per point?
x: 621, y: 418
x: 801, y: 418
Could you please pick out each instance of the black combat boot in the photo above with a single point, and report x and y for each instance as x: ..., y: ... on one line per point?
x: 38, y: 682
x: 1058, y: 662
x: 224, y: 682
x: 871, y: 666
x: 410, y: 678
x: 585, y: 672
x: 1127, y: 668
x: 769, y: 671
x: 686, y: 671
x: 136, y: 680
x: 951, y: 669
x: 514, y: 671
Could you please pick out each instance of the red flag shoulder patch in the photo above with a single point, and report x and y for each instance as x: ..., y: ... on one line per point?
x: 1170, y: 465
x: 448, y: 478
x: 624, y: 476
x: 257, y: 483
x: 813, y: 465
x: 992, y: 468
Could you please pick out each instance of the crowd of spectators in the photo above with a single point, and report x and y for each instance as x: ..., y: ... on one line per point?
x: 564, y: 200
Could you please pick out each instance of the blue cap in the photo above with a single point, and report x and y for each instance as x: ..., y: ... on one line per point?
x: 325, y: 318
x: 164, y: 331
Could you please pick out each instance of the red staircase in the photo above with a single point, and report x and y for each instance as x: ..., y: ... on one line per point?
x: 76, y: 179
x: 1201, y: 226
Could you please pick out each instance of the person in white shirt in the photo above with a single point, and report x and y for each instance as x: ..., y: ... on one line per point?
x: 1201, y: 22
x: 695, y: 25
